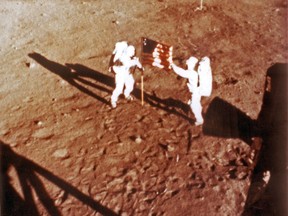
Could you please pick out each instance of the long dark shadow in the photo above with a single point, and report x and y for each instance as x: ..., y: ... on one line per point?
x: 26, y: 169
x: 23, y: 176
x: 222, y: 119
x: 225, y: 120
x: 272, y: 121
x: 169, y: 105
x: 84, y: 71
x: 10, y: 200
x: 43, y: 194
x: 70, y: 76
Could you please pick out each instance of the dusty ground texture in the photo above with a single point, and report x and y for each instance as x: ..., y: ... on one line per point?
x: 66, y: 152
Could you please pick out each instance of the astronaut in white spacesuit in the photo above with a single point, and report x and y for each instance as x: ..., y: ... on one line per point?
x: 203, y: 78
x: 124, y: 59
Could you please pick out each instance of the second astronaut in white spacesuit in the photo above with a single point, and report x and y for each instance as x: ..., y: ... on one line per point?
x: 203, y: 77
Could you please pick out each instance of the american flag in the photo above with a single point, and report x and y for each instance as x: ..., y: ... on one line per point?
x: 156, y: 54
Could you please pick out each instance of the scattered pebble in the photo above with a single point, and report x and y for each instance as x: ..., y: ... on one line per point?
x: 61, y: 153
x: 15, y: 108
x: 4, y: 132
x: 170, y: 148
x: 27, y: 99
x: 138, y: 140
x: 177, y: 158
x: 63, y: 82
x: 30, y: 65
x: 14, y: 144
x: 116, y: 22
x: 60, y: 198
x: 43, y: 133
x: 242, y: 175
x: 38, y: 123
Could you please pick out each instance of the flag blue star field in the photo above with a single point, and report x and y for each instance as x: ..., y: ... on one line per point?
x: 156, y: 54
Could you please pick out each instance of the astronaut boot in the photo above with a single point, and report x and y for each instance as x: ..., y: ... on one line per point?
x: 199, y: 120
x: 198, y: 123
x: 129, y: 98
x: 113, y: 104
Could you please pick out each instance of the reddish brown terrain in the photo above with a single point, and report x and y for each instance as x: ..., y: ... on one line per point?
x: 64, y: 151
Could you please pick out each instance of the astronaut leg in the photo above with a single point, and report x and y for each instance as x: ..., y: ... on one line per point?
x: 197, y: 108
x: 129, y: 86
x: 118, y: 89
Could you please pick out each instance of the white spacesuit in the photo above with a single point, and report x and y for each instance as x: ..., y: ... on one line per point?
x: 125, y: 57
x: 205, y: 83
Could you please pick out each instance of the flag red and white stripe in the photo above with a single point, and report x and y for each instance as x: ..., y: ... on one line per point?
x: 156, y: 54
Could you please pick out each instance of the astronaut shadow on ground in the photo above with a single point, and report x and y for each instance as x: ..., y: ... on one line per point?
x: 73, y: 78
x: 222, y: 119
x: 28, y: 172
x: 170, y: 105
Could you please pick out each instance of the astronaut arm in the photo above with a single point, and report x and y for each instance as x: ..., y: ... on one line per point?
x: 190, y: 87
x: 111, y: 62
x: 135, y: 62
x: 180, y: 71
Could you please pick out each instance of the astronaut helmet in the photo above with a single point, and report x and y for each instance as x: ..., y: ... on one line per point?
x: 191, y: 62
x: 130, y: 51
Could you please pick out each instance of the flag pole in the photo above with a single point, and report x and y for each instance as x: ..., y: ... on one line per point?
x: 142, y: 89
x: 142, y: 74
